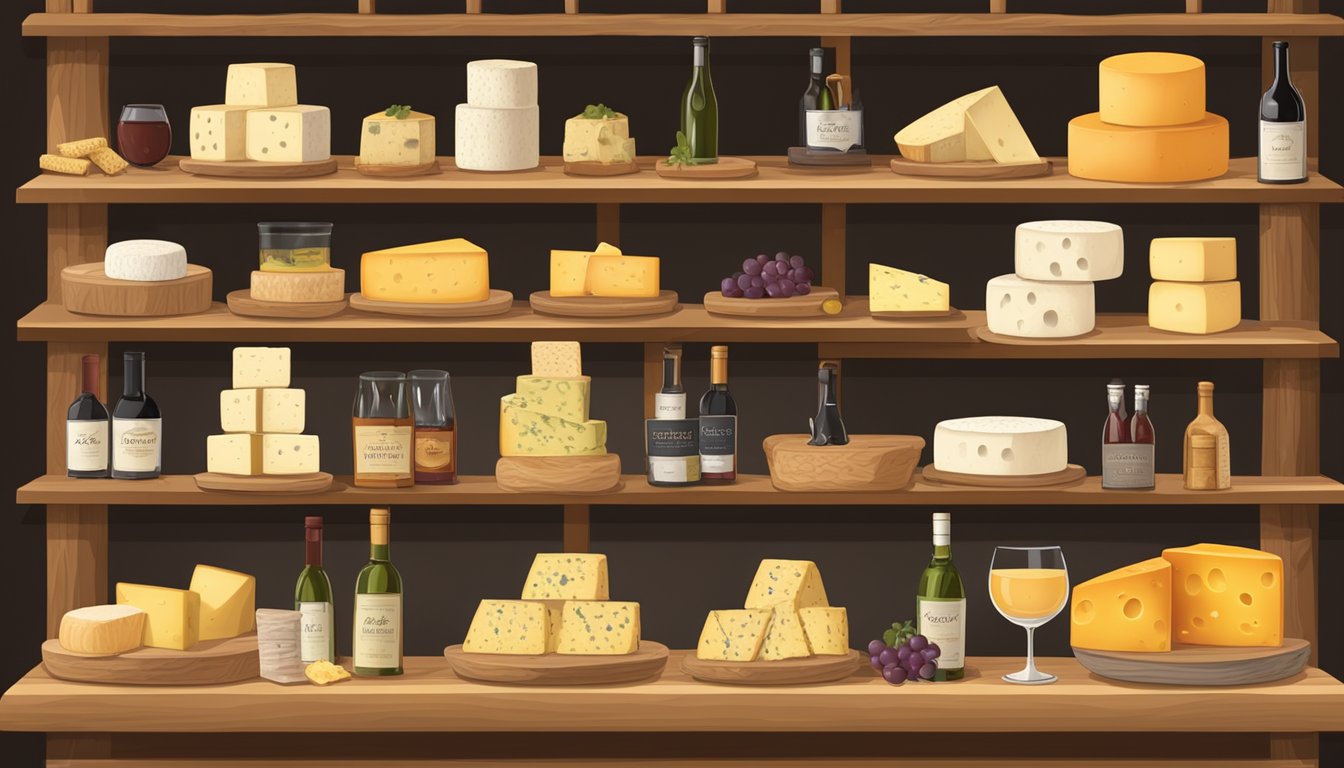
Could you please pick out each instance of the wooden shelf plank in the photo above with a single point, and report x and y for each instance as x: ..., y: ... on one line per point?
x: 429, y: 698
x: 749, y: 490
x: 777, y: 182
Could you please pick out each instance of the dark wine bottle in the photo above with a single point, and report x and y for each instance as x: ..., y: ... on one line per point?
x: 86, y: 427
x: 1283, y: 127
x: 812, y: 96
x: 828, y: 428
x: 718, y: 424
x: 700, y: 108
x: 137, y: 428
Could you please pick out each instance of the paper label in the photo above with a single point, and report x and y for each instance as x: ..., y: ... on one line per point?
x: 86, y: 445
x: 1127, y: 465
x: 137, y: 444
x: 433, y: 450
x: 943, y: 622
x: 836, y: 129
x: 1283, y: 151
x: 315, y: 632
x: 383, y: 449
x: 718, y: 444
x: 378, y: 631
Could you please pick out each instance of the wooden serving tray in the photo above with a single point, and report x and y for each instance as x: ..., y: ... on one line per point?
x: 88, y: 290
x: 982, y: 169
x: 984, y: 334
x: 951, y: 312
x: 808, y: 671
x: 726, y: 168
x: 555, y: 669
x: 559, y: 474
x: 594, y: 168
x: 1202, y: 665
x: 806, y: 157
x: 212, y: 662
x: 394, y: 171
x: 498, y: 303
x: 242, y: 303
x: 312, y: 482
x: 794, y: 306
x: 866, y: 463
x: 602, y: 306
x: 255, y: 169
x: 1069, y: 475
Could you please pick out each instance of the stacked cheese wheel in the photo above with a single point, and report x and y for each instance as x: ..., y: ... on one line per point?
x: 145, y: 261
x: 786, y: 616
x: 498, y: 129
x: 261, y: 119
x: 1050, y: 294
x: 1000, y: 446
x: 1152, y: 126
x: 262, y: 418
x: 1196, y: 289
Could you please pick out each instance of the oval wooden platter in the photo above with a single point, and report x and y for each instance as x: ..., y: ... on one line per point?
x: 86, y: 289
x: 1201, y: 665
x: 396, y: 171
x: 311, y: 482
x: 726, y: 168
x: 255, y: 169
x: 592, y: 168
x: 794, y: 306
x: 498, y: 303
x: 602, y: 306
x: 986, y: 169
x: 866, y: 463
x: 1069, y: 475
x: 555, y: 669
x: 559, y: 474
x: 808, y: 671
x: 211, y: 662
x: 242, y: 303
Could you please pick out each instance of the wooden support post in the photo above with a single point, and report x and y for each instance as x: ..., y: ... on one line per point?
x: 998, y: 6
x: 609, y: 223
x: 1305, y: 59
x: 473, y: 6
x: 571, y: 6
x: 653, y: 375
x: 716, y: 6
x: 578, y: 529
x: 368, y: 6
x: 76, y: 89
x: 842, y: 46
x: 1194, y: 6
x: 830, y: 6
x: 833, y: 246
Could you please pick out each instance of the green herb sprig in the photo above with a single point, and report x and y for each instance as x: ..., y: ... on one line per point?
x: 399, y: 111
x: 598, y: 112
x: 899, y: 633
x: 681, y: 154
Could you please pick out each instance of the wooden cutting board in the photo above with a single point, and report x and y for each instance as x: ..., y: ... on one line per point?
x: 602, y: 306
x: 242, y: 303
x: 808, y: 671
x: 726, y: 168
x: 593, y: 168
x: 498, y: 303
x: 86, y: 288
x: 1202, y: 665
x: 555, y: 669
x: 794, y: 306
x: 986, y: 169
x: 312, y: 482
x: 396, y: 171
x: 255, y: 169
x: 212, y: 662
x: 1071, y: 473
x: 559, y: 474
x: 866, y: 463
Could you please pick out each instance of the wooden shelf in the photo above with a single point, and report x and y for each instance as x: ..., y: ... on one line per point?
x: 776, y: 183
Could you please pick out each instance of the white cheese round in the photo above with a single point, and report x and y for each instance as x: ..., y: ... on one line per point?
x: 496, y: 139
x: 1000, y: 445
x: 501, y: 83
x: 1069, y: 250
x: 1038, y: 309
x: 145, y: 260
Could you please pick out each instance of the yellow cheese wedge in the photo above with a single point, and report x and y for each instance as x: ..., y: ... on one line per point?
x: 569, y: 273
x: 827, y: 630
x: 298, y: 287
x: 1194, y: 307
x: 1224, y: 595
x: 1175, y: 153
x: 527, y: 433
x: 228, y: 601
x: 796, y: 583
x: 102, y: 630
x: 443, y: 272
x: 734, y: 635
x: 1128, y: 609
x: 623, y: 276
x: 567, y: 576
x: 977, y: 126
x: 896, y: 290
x: 171, y: 615
x: 1193, y: 259
x: 785, y: 638
x: 598, y: 628
x: 516, y: 627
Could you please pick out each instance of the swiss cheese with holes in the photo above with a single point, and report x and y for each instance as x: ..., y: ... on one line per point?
x: 1080, y: 251
x: 1015, y: 306
x: 1000, y: 445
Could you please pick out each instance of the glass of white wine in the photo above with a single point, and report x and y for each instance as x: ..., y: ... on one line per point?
x: 1029, y: 586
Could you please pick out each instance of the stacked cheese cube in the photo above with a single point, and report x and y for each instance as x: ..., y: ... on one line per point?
x: 1152, y: 126
x: 786, y: 616
x: 565, y: 609
x: 261, y: 119
x: 498, y: 129
x: 443, y: 272
x: 548, y: 415
x: 1197, y: 290
x: 1050, y: 295
x: 262, y: 419
x: 604, y: 271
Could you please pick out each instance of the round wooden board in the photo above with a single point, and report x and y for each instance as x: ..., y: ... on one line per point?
x: 86, y: 289
x: 602, y: 306
x: 211, y: 662
x: 559, y: 474
x: 498, y: 303
x: 1067, y: 476
x: 254, y: 169
x: 808, y: 671
x: 242, y: 303
x: 726, y: 168
x: 1202, y: 665
x: 947, y: 313
x: 312, y: 482
x: 986, y: 335
x: 395, y: 171
x: 866, y: 463
x: 794, y: 306
x: 970, y: 170
x: 593, y: 168
x: 555, y: 669
x: 804, y: 157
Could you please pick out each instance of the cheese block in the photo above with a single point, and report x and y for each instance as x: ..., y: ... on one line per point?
x: 895, y: 290
x: 623, y: 276
x: 387, y: 140
x: 236, y: 454
x: 240, y: 410
x: 785, y: 638
x: 1000, y: 446
x: 569, y: 270
x: 603, y: 140
x: 297, y: 134
x: 1151, y: 89
x: 75, y: 166
x: 228, y: 602
x: 598, y: 628
x: 563, y: 398
x: 977, y: 126
x: 453, y: 271
x: 1038, y: 309
x: 102, y: 630
x: 795, y: 583
x: 145, y: 260
x: 109, y: 162
x: 1078, y: 251
x: 255, y: 367
x: 827, y: 630
x: 218, y: 132
x: 1128, y: 609
x: 1191, y: 152
x: 298, y: 287
x: 567, y: 576
x: 1225, y: 595
x: 81, y: 147
x: 261, y: 85
x: 1194, y: 307
x: 501, y: 83
x: 171, y: 615
x: 282, y: 410
x: 734, y: 635
x: 562, y: 359
x: 289, y: 454
x: 516, y: 627
x: 497, y: 139
x: 1193, y: 259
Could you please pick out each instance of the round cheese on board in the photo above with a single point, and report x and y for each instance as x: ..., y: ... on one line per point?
x: 1001, y: 446
x: 102, y: 630
x: 294, y: 287
x: 1038, y: 309
x: 1074, y: 251
x: 1151, y: 89
x: 501, y: 83
x: 1104, y: 152
x: 145, y: 261
x: 497, y: 139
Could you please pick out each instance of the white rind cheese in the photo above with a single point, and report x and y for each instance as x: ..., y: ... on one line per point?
x: 219, y: 132
x: 501, y: 83
x: 497, y: 138
x: 1000, y: 446
x: 261, y: 85
x: 1078, y: 251
x: 297, y: 134
x: 298, y: 287
x: 102, y: 630
x: 1038, y: 309
x: 145, y: 261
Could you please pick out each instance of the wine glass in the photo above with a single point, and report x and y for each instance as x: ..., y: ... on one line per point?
x: 1029, y: 586
x: 143, y: 134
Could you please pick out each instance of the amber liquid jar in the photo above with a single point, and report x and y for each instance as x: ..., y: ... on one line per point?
x: 435, y: 427
x: 383, y: 432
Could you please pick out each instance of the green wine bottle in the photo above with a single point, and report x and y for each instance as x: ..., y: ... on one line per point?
x: 312, y: 598
x: 700, y: 108
x: 940, y: 604
x: 378, y: 640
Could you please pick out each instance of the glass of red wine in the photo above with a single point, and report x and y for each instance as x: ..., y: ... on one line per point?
x: 143, y: 134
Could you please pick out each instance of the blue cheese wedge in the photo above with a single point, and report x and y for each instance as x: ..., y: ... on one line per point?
x: 796, y: 583
x: 567, y: 576
x: 523, y: 432
x: 827, y: 630
x: 562, y: 397
x: 598, y: 628
x: 785, y: 638
x: 734, y: 635
x: 518, y: 627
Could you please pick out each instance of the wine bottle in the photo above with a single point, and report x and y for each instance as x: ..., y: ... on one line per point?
x: 1208, y: 459
x: 828, y: 428
x: 378, y: 604
x: 940, y: 604
x: 1114, y: 437
x: 670, y: 402
x: 86, y: 427
x: 1283, y: 127
x: 700, y: 108
x: 718, y: 424
x: 312, y: 598
x: 812, y: 96
x: 1144, y: 440
x: 137, y: 428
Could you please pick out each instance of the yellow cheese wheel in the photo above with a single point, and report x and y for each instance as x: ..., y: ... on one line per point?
x: 1151, y: 89
x: 1175, y: 153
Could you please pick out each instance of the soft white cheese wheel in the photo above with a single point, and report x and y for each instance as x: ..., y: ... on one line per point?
x: 495, y: 139
x: 1000, y: 445
x: 1069, y: 250
x: 145, y: 260
x: 102, y: 630
x: 501, y: 83
x: 1037, y: 309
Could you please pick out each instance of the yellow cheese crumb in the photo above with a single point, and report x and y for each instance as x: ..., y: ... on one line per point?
x: 81, y: 147
x: 323, y: 672
x: 75, y: 166
x: 108, y: 161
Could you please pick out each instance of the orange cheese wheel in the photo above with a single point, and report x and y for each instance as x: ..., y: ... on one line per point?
x: 1151, y: 89
x: 1174, y: 153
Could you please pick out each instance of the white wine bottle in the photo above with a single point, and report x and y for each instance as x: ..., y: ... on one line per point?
x: 700, y: 108
x: 940, y: 604
x: 378, y: 604
x: 312, y: 599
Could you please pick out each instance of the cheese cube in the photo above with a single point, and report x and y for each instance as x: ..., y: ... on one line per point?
x: 218, y: 132
x: 397, y: 141
x: 102, y: 630
x: 785, y: 638
x: 289, y: 454
x: 1000, y: 445
x: 602, y: 140
x: 1081, y: 251
x: 261, y: 85
x: 598, y: 628
x: 1106, y: 152
x: 827, y: 630
x: 1128, y: 609
x: 443, y: 272
x: 1224, y: 595
x: 1151, y: 89
x: 623, y: 276
x: 734, y: 635
x: 256, y: 367
x: 562, y: 359
x: 569, y: 273
x: 236, y: 454
x: 526, y: 433
x: 240, y: 410
x: 1194, y: 307
x: 567, y: 576
x: 796, y: 583
x: 1193, y: 259
x: 895, y: 290
x: 171, y: 615
x: 299, y: 134
x: 298, y: 287
x: 228, y: 602
x: 282, y: 410
x: 977, y: 126
x: 1038, y: 309
x: 515, y: 627
x: 550, y: 396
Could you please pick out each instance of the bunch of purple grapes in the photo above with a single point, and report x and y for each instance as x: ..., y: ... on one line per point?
x: 762, y: 277
x: 914, y: 659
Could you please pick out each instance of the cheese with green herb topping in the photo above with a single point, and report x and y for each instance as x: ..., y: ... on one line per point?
x: 603, y: 140
x: 392, y: 140
x: 559, y: 396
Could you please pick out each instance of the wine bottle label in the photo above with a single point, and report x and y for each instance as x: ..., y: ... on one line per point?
x: 378, y: 631
x: 1283, y: 151
x: 718, y: 444
x: 669, y: 406
x: 943, y: 622
x: 834, y: 129
x: 433, y: 450
x: 315, y: 632
x: 86, y: 445
x: 383, y: 449
x: 1127, y: 465
x: 673, y: 450
x: 137, y: 444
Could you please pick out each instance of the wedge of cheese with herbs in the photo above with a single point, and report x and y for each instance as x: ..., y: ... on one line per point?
x: 785, y: 639
x: 977, y: 126
x: 569, y: 270
x: 403, y: 138
x: 297, y: 134
x: 827, y: 630
x: 602, y: 138
x: 453, y: 271
x: 733, y: 635
x: 567, y: 576
x: 171, y: 615
x: 265, y: 84
x: 1128, y: 609
x: 218, y: 132
x: 1226, y: 595
x: 598, y: 628
x: 896, y: 290
x: 795, y: 583
x: 102, y: 630
x: 228, y: 602
x: 516, y: 627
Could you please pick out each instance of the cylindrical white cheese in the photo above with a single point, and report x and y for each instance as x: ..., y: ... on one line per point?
x: 501, y: 83
x: 496, y: 139
x: 1000, y: 445
x: 1074, y: 251
x: 145, y: 260
x: 1037, y: 309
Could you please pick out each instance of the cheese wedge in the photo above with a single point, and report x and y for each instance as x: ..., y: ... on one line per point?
x: 442, y: 272
x: 827, y: 630
x: 516, y: 627
x: 785, y: 639
x: 569, y: 270
x: 171, y: 615
x: 977, y: 126
x: 102, y: 630
x: 567, y: 576
x: 734, y: 635
x: 623, y: 276
x: 598, y: 628
x: 896, y: 290
x: 228, y: 601
x: 1225, y: 595
x: 387, y: 140
x: 796, y: 583
x: 1128, y: 609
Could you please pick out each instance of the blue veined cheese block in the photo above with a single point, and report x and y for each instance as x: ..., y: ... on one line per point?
x: 796, y: 583
x: 734, y: 635
x: 827, y: 630
x: 524, y: 432
x: 598, y: 628
x: 518, y: 627
x: 565, y: 397
x: 567, y: 576
x: 785, y: 638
